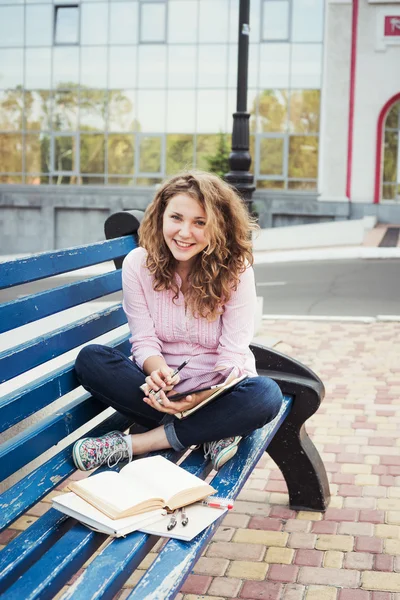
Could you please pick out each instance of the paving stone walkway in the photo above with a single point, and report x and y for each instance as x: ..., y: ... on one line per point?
x: 264, y: 550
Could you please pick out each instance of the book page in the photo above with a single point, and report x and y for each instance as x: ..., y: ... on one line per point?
x: 113, y: 493
x: 162, y: 476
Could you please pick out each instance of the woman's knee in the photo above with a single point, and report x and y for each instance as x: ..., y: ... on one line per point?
x: 86, y: 362
x: 268, y: 397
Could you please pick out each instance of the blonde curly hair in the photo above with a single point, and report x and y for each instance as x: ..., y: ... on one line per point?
x: 217, y: 268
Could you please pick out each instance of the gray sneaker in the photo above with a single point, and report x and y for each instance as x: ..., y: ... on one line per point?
x: 89, y: 453
x: 221, y: 451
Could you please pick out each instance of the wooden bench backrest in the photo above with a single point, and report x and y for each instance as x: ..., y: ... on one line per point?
x: 19, y: 404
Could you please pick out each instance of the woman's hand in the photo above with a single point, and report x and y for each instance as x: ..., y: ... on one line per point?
x: 160, y: 378
x: 172, y: 408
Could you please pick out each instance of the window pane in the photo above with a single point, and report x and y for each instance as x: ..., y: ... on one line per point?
x: 302, y: 185
x: 181, y: 66
x: 271, y: 156
x: 304, y: 111
x: 270, y: 184
x: 121, y: 111
x: 150, y: 154
x: 37, y: 110
x: 120, y: 180
x: 11, y: 25
x: 120, y: 154
x: 11, y: 110
x: 10, y: 153
x: 122, y: 67
x: 275, y: 25
x: 391, y: 149
x: 152, y: 22
x: 151, y: 111
x: 10, y: 179
x: 65, y: 111
x: 64, y: 153
x: 66, y: 25
x: 148, y: 181
x: 38, y: 68
x: 92, y: 153
x: 39, y: 25
x: 252, y: 68
x: 212, y: 66
x: 307, y: 20
x: 91, y: 180
x: 37, y: 153
x: 389, y: 191
x: 213, y: 21
x: 392, y: 120
x: 94, y: 23
x: 306, y: 65
x: 92, y: 110
x: 152, y: 66
x: 273, y: 110
x: 274, y: 66
x: 206, y: 146
x: 123, y: 22
x: 303, y: 157
x: 211, y: 111
x: 179, y: 153
x: 181, y: 112
x: 94, y: 67
x: 65, y: 180
x: 182, y: 21
x: 37, y: 179
x: 11, y: 68
x: 65, y: 67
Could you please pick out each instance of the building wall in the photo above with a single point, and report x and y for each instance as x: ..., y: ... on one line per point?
x: 335, y: 102
x: 378, y: 79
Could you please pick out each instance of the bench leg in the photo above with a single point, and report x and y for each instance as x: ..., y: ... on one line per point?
x: 302, y: 468
x: 294, y: 452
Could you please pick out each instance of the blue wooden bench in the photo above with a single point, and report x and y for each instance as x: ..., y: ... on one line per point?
x: 43, y: 558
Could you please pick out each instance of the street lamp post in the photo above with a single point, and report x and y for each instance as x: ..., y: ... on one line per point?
x: 239, y: 159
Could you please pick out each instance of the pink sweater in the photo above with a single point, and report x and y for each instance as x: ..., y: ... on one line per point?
x: 162, y: 327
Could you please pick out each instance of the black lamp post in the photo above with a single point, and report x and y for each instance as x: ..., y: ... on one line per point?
x: 239, y: 159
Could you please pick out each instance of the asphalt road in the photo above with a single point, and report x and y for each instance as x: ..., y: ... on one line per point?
x: 329, y: 288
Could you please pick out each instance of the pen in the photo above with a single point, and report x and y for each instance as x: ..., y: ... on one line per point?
x: 184, y: 517
x: 185, y: 362
x: 214, y: 502
x: 172, y: 522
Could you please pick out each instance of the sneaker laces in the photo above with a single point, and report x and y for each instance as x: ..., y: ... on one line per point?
x: 211, y: 448
x: 116, y: 455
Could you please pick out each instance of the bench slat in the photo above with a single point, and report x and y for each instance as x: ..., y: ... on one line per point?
x: 167, y: 573
x: 27, y: 400
x: 32, y: 488
x: 37, y: 306
x: 26, y: 356
x: 31, y: 443
x: 47, y: 264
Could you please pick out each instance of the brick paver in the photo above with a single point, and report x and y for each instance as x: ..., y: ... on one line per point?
x: 266, y: 551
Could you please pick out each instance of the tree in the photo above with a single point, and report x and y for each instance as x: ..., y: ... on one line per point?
x: 218, y: 163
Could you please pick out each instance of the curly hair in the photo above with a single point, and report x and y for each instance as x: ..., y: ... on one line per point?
x: 216, y: 271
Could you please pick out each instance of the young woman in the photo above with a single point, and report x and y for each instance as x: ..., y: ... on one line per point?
x: 188, y: 292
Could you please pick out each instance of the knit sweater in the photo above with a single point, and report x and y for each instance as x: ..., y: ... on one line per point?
x: 161, y: 326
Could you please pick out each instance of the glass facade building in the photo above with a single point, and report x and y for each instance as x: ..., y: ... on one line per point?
x: 125, y: 92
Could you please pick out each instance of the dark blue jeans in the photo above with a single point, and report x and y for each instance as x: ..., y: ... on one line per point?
x: 113, y: 379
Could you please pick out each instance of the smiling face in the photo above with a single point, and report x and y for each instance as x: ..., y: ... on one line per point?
x: 184, y: 229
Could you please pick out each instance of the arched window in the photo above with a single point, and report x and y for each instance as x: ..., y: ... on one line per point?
x: 391, y: 155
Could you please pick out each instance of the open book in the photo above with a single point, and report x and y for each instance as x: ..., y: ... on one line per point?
x: 74, y: 506
x: 141, y: 486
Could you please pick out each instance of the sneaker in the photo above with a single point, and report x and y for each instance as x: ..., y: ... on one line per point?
x: 89, y: 453
x: 221, y: 451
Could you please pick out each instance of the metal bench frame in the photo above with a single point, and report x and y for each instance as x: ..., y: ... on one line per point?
x: 43, y: 558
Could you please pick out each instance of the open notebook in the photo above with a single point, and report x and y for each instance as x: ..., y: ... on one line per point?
x: 141, y: 486
x: 74, y: 506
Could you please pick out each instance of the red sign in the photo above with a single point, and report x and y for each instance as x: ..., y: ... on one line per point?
x: 392, y: 26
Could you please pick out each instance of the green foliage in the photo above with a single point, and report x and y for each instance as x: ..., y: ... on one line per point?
x: 218, y: 163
